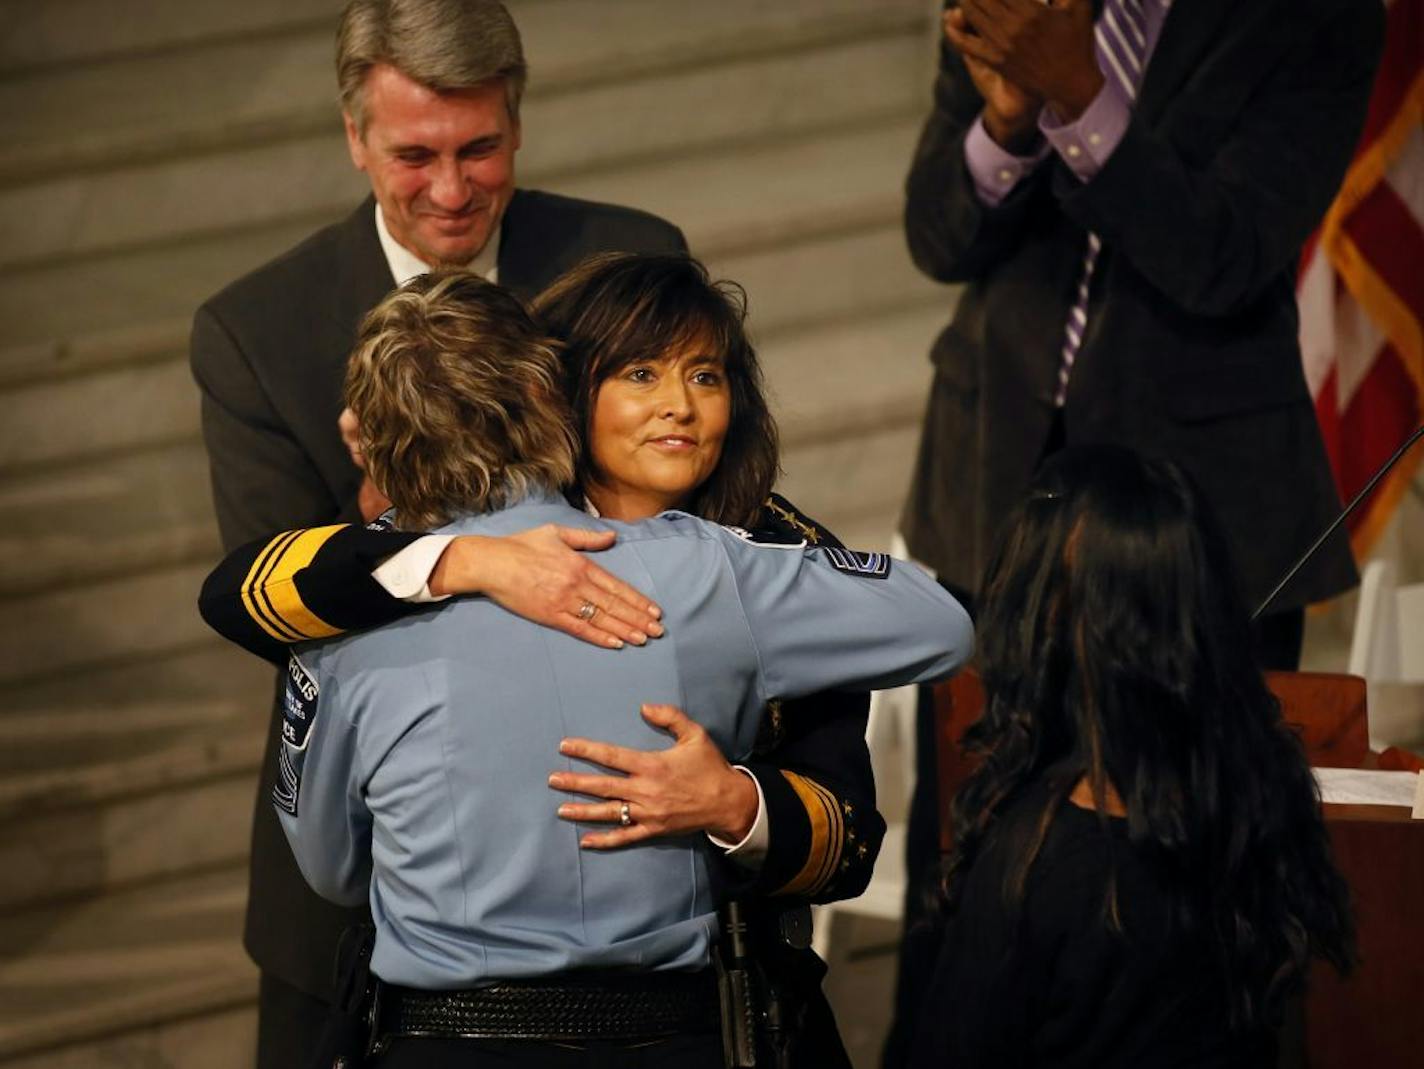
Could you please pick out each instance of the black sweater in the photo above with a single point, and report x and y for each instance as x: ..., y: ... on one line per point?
x: 1050, y: 984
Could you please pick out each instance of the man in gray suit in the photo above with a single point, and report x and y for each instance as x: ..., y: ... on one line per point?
x: 430, y: 93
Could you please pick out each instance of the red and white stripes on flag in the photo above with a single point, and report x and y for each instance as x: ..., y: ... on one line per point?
x: 1361, y: 288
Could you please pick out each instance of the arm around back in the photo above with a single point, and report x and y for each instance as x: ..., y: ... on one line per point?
x: 291, y: 586
x: 830, y: 618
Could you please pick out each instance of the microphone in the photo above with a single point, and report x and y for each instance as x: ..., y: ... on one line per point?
x: 1374, y: 479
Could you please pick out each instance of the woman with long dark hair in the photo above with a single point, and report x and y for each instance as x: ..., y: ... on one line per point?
x: 1140, y: 873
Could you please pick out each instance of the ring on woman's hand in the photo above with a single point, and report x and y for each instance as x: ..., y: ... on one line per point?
x: 587, y: 611
x: 625, y: 818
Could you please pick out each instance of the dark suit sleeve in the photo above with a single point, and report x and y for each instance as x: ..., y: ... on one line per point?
x: 953, y: 236
x: 303, y: 584
x: 825, y: 832
x: 1212, y: 230
x: 262, y: 478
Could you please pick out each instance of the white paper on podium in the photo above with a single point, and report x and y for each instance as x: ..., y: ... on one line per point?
x: 1358, y: 786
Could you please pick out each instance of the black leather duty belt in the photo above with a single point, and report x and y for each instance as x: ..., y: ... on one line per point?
x: 645, y: 1006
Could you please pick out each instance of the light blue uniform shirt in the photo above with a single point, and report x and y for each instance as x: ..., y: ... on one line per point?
x: 415, y: 757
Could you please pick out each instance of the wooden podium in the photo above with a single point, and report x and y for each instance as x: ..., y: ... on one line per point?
x: 1372, y: 1018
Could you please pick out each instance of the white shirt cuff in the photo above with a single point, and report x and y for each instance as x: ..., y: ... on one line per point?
x: 751, y: 851
x: 406, y: 575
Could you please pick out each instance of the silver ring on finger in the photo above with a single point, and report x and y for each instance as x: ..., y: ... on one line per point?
x: 587, y: 611
x: 625, y: 817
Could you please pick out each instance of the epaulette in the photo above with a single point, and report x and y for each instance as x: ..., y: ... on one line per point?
x: 780, y: 515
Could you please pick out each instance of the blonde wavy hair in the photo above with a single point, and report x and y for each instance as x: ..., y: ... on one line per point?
x: 459, y: 399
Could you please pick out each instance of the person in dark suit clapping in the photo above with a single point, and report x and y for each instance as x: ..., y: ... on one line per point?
x: 1123, y: 187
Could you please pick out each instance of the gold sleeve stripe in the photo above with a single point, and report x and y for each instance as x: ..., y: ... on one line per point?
x: 270, y: 593
x: 827, y: 835
x: 252, y: 600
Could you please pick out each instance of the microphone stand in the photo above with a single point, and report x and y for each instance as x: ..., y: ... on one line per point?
x: 1354, y: 503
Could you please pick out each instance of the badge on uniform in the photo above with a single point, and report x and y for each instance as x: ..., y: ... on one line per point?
x: 852, y: 562
x: 762, y: 536
x: 299, y: 704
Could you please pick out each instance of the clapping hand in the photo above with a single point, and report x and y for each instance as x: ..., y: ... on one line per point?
x: 1043, y: 50
x: 1010, y: 113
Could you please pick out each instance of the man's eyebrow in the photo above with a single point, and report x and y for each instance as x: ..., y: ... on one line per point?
x: 484, y: 141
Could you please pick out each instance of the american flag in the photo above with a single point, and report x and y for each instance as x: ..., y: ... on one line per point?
x: 1361, y: 288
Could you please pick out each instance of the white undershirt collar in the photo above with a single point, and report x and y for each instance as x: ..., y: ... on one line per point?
x: 405, y: 265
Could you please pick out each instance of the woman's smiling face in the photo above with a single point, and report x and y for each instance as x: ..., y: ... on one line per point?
x: 656, y: 432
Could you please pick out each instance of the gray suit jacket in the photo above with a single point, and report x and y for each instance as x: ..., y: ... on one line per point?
x: 269, y: 356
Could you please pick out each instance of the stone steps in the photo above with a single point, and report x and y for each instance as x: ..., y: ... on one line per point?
x: 266, y: 74
x: 728, y: 208
x: 59, y: 34
x: 136, y: 616
x: 203, y: 671
x: 111, y: 515
x: 137, y: 305
x: 66, y: 209
x: 120, y: 980
x: 100, y: 798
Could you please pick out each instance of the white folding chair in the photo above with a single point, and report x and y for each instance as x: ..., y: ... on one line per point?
x: 1388, y: 651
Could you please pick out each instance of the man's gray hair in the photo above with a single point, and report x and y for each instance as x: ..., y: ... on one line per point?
x: 442, y: 44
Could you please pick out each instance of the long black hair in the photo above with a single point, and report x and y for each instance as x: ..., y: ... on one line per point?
x: 617, y: 309
x: 1116, y: 650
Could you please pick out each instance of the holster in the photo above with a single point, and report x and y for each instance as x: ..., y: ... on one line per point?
x: 346, y: 1037
x: 765, y: 951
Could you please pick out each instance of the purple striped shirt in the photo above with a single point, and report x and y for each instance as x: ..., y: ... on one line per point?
x: 1084, y: 145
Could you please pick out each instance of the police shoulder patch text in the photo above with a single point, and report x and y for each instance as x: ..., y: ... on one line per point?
x: 299, y: 706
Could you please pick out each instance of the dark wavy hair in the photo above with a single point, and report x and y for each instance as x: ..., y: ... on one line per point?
x: 617, y: 309
x: 1115, y: 649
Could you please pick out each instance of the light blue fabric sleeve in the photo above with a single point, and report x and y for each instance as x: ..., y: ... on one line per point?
x: 824, y: 619
x: 330, y: 833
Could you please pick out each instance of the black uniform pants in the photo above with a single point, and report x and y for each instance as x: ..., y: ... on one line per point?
x: 692, y: 1051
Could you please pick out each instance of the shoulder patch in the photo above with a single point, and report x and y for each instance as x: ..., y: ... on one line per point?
x: 386, y: 521
x: 853, y: 562
x: 299, y: 705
